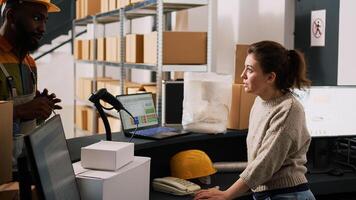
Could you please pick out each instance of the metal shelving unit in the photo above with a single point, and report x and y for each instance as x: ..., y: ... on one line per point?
x: 157, y: 8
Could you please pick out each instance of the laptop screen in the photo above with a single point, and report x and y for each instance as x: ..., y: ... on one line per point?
x: 142, y: 107
x: 48, y: 153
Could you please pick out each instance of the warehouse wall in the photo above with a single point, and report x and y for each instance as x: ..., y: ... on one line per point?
x: 245, y: 22
x: 347, y: 43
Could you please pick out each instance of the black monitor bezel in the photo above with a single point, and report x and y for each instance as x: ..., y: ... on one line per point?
x: 31, y: 158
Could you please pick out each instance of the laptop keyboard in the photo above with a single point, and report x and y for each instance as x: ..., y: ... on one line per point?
x: 153, y: 131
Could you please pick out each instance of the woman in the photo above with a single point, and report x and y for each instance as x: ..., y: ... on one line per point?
x: 278, y: 139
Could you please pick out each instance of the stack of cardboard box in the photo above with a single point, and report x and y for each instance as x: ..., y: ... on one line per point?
x: 6, y: 110
x: 241, y: 101
x: 85, y: 8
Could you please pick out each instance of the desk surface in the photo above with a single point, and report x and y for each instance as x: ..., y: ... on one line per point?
x: 222, y: 147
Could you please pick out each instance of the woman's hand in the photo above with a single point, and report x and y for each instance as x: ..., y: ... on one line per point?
x: 211, y: 194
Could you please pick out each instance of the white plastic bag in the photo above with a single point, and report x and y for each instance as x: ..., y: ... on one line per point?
x: 207, y: 100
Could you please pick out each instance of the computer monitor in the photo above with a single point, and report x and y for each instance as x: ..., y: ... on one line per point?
x: 329, y: 111
x: 50, y: 161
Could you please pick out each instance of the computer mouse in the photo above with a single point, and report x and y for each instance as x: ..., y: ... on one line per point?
x: 336, y: 172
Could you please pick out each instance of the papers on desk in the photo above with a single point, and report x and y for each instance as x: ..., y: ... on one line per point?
x: 330, y: 111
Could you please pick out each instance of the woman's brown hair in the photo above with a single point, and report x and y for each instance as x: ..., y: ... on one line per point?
x: 288, y: 65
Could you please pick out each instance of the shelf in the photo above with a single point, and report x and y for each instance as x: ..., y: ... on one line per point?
x: 101, y: 18
x: 152, y: 67
x: 148, y: 7
x: 141, y: 9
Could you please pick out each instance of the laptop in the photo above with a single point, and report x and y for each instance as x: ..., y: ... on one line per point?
x: 142, y: 107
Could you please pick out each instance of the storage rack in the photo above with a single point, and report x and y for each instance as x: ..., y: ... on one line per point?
x: 157, y: 8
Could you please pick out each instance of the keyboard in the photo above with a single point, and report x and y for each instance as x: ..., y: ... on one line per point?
x: 155, y: 130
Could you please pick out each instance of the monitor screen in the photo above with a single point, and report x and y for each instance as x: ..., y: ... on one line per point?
x: 142, y: 107
x: 50, y: 161
x: 329, y: 111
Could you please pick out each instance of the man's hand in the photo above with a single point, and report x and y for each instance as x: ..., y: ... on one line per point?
x: 52, y: 98
x: 38, y: 108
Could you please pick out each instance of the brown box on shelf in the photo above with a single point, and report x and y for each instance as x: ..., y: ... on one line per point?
x: 6, y: 117
x: 112, y: 49
x: 114, y: 87
x: 134, y: 48
x: 178, y: 48
x: 91, y: 8
x: 104, y: 6
x: 112, y: 4
x: 85, y: 49
x: 241, y: 104
x: 177, y: 75
x: 115, y: 125
x: 90, y: 123
x: 78, y: 49
x: 85, y: 86
x: 240, y: 56
x: 101, y: 49
x: 91, y: 48
x: 124, y: 3
x: 78, y: 12
x: 136, y: 1
x: 10, y: 191
x: 81, y: 117
x: 118, y: 4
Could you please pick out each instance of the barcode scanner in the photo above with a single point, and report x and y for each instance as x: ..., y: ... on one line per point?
x: 105, y: 96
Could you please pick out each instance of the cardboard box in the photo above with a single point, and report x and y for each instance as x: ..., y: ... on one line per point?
x: 81, y: 117
x: 91, y: 8
x: 104, y: 6
x: 115, y: 125
x: 113, y: 49
x: 86, y: 86
x: 90, y: 112
x: 134, y: 48
x: 85, y: 49
x: 241, y: 104
x: 112, y: 5
x: 6, y: 117
x: 130, y: 182
x: 124, y: 3
x: 78, y: 49
x: 10, y: 191
x: 78, y: 6
x: 178, y: 48
x: 107, y: 155
x: 101, y: 52
x: 240, y: 56
x: 91, y: 49
x: 136, y: 1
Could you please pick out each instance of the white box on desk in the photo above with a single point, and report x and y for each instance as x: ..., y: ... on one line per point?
x: 131, y: 182
x: 107, y: 155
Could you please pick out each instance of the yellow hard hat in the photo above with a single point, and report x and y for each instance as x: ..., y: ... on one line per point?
x: 191, y: 164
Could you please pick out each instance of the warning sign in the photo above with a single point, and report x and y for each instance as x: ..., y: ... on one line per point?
x: 318, y: 28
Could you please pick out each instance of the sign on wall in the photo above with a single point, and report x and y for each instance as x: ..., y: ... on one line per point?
x: 317, y: 33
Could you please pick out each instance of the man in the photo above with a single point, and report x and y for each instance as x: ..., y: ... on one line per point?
x: 23, y: 26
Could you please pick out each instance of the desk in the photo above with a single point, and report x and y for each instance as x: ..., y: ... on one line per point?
x: 222, y: 147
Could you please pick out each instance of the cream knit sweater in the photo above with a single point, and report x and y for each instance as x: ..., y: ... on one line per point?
x: 277, y: 143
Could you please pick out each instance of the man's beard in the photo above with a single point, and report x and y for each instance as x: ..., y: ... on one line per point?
x: 24, y: 38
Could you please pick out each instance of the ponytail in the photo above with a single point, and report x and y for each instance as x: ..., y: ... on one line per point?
x: 296, y: 63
